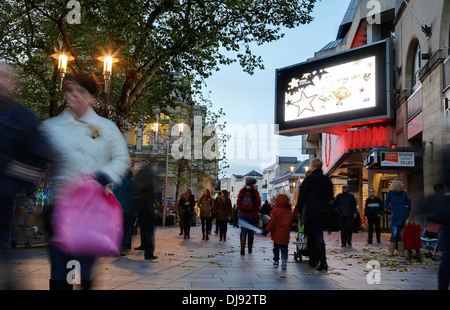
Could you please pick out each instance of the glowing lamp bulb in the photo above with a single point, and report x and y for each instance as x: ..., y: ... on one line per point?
x: 62, y: 63
x: 107, y: 65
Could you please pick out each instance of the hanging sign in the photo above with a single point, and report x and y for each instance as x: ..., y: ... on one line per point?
x: 397, y: 159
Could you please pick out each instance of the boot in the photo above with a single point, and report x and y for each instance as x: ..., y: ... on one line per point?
x: 418, y: 256
x: 323, y: 266
x: 243, y: 239
x: 250, y: 244
x: 60, y: 285
x: 408, y: 256
x: 401, y: 249
x: 283, y: 260
x: 391, y: 249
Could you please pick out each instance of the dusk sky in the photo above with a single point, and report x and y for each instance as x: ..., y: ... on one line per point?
x: 249, y: 100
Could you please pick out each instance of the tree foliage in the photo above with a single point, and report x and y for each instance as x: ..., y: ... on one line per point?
x: 153, y: 39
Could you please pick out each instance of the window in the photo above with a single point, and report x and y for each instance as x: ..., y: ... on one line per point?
x: 131, y: 139
x: 417, y: 64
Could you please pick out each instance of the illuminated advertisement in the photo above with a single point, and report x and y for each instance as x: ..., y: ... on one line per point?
x: 334, y: 93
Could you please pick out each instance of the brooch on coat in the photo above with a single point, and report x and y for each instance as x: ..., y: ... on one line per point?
x: 95, y: 132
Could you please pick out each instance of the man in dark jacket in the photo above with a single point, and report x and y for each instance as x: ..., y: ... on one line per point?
x: 346, y: 204
x: 144, y: 197
x: 373, y: 211
x: 23, y: 155
x: 315, y: 195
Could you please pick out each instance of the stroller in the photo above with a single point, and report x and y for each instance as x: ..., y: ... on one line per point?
x: 301, y: 243
x: 431, y: 239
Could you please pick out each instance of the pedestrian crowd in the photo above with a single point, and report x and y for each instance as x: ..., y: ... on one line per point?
x: 81, y: 147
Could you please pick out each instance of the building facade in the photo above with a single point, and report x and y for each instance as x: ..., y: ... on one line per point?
x: 191, y: 170
x: 408, y: 143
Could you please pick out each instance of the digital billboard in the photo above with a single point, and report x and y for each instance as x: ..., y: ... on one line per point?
x: 336, y: 92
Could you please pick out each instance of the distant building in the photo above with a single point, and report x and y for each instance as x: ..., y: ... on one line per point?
x: 236, y: 182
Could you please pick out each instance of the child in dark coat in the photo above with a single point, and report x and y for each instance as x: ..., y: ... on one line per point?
x: 411, y: 238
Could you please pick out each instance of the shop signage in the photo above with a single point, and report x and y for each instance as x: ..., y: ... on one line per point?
x: 397, y: 159
x: 370, y: 159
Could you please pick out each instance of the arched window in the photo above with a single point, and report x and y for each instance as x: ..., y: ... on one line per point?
x: 416, y: 65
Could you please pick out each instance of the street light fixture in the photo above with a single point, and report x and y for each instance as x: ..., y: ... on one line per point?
x: 155, y: 128
x: 107, y: 69
x: 63, y: 60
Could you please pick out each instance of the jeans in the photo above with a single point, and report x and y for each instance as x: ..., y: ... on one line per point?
x: 444, y: 268
x: 222, y: 225
x: 396, y: 235
x: 253, y: 220
x: 187, y: 219
x: 277, y: 248
x: 315, y: 240
x: 147, y: 227
x: 128, y: 230
x: 374, y: 220
x: 6, y: 213
x: 346, y: 230
x: 206, y: 225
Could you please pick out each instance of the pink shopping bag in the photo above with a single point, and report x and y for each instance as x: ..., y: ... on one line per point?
x: 87, y: 220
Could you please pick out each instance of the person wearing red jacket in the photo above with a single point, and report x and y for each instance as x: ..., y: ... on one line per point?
x: 279, y: 227
x: 411, y: 238
x: 248, y: 204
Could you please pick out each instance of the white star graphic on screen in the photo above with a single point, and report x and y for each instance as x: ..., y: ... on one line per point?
x: 304, y: 103
x: 294, y: 83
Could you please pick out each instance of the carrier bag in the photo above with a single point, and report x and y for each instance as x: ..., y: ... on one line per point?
x: 87, y: 220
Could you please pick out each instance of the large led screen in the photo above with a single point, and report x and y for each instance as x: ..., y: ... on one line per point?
x: 338, y: 91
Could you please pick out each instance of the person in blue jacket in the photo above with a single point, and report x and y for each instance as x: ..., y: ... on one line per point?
x: 400, y: 205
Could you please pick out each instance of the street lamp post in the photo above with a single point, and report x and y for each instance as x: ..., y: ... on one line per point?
x: 155, y: 128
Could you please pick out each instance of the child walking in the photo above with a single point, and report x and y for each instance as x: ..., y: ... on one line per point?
x: 411, y: 238
x: 279, y: 226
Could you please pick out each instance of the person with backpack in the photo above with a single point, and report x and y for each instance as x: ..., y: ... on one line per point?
x: 248, y: 203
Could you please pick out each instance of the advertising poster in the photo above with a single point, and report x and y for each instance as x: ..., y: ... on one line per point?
x: 347, y: 87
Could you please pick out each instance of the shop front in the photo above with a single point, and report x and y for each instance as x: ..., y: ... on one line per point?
x: 384, y: 165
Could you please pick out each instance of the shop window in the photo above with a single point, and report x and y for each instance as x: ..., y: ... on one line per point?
x: 131, y: 138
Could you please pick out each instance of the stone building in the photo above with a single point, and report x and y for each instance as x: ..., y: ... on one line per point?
x: 368, y: 152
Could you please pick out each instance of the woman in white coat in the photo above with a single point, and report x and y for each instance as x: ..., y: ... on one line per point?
x: 82, y: 143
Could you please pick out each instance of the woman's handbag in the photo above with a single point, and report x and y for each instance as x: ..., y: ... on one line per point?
x: 87, y: 220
